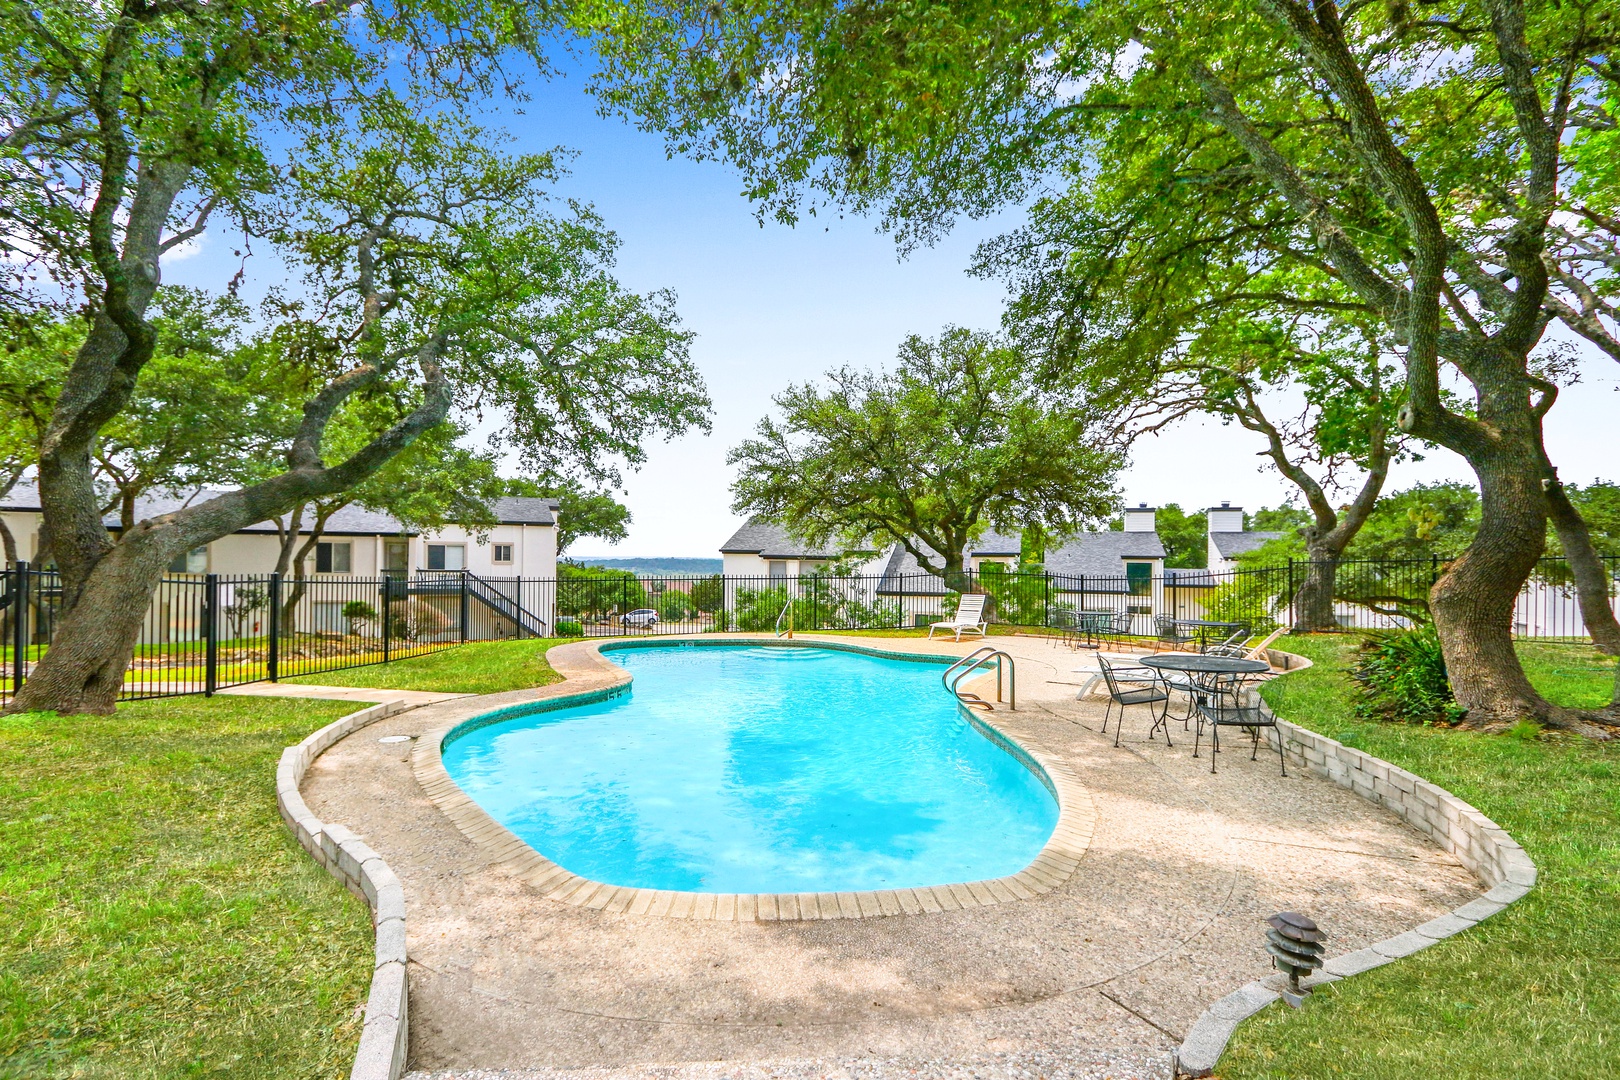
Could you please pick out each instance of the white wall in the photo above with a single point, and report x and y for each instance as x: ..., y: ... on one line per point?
x: 534, y: 550
x: 744, y: 565
x: 25, y: 530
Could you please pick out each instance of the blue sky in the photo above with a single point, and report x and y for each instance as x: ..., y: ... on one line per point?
x: 772, y: 305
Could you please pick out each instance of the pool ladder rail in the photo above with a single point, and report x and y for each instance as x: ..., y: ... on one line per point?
x: 787, y: 613
x: 983, y: 657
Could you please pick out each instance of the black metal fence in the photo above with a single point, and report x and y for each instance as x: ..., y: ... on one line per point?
x: 203, y: 633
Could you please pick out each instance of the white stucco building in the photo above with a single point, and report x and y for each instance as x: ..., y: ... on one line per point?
x: 356, y: 541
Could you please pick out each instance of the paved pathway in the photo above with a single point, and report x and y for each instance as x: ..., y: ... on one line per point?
x: 1097, y: 978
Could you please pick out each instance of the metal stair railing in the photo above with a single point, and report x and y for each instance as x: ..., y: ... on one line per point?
x: 982, y: 657
x: 485, y: 593
x: 787, y: 610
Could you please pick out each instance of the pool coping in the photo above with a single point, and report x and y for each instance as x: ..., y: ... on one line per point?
x: 593, y: 677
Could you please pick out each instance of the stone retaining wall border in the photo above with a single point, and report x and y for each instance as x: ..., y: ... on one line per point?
x: 1481, y: 845
x: 383, y: 1038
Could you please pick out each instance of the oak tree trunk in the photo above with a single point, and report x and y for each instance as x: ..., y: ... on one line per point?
x: 91, y: 651
x: 1473, y: 600
x: 1313, y: 601
x: 1591, y: 576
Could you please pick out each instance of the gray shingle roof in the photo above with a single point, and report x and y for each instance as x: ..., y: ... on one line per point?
x: 1098, y: 556
x: 1102, y: 554
x: 349, y: 521
x: 770, y: 541
x: 1232, y: 544
x: 514, y: 510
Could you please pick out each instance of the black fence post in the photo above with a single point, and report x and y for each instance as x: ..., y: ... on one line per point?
x: 387, y: 612
x: 210, y: 634
x: 272, y: 661
x: 465, y: 612
x: 19, y: 627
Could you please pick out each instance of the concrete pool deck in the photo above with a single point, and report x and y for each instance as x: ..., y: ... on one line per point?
x: 1100, y: 976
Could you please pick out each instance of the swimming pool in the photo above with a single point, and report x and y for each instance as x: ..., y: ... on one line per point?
x: 747, y: 769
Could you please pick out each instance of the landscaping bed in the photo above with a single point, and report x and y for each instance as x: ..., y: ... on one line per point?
x: 1532, y: 992
x: 156, y: 918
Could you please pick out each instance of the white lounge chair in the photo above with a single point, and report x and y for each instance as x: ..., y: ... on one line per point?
x: 969, y: 617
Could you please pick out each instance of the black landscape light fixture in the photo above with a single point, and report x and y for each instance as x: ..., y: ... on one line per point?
x: 1295, y: 945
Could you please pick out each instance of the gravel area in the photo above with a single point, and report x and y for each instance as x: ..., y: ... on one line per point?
x: 1099, y: 978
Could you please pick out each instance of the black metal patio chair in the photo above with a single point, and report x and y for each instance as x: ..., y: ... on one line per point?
x: 1169, y: 630
x: 1224, y: 701
x: 1148, y: 691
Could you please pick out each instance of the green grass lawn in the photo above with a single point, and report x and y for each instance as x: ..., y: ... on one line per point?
x: 478, y: 667
x: 1533, y: 992
x: 156, y: 917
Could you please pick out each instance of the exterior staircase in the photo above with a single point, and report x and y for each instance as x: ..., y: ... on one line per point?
x: 452, y: 582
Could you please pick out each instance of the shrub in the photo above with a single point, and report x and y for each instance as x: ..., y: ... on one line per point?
x: 674, y: 606
x: 596, y: 591
x: 1403, y: 677
x: 709, y: 594
x: 569, y: 628
x: 758, y: 609
x: 1018, y: 597
x: 413, y: 620
x: 356, y: 612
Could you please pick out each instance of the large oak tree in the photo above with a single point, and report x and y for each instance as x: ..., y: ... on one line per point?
x: 1411, y: 156
x: 959, y: 436
x: 433, y: 275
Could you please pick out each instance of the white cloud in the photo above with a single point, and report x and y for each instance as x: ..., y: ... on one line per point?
x: 186, y: 250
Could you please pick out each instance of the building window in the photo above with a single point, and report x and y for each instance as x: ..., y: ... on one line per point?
x: 194, y: 561
x: 333, y: 558
x: 503, y: 553
x: 778, y: 569
x: 396, y: 556
x: 447, y: 557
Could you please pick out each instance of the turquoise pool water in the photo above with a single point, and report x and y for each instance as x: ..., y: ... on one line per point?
x: 736, y: 769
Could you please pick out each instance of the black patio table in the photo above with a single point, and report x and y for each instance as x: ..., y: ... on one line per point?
x: 1201, y: 664
x: 1204, y: 626
x: 1212, y: 668
x: 1208, y: 673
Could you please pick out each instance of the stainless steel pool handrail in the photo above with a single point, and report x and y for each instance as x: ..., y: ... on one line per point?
x: 973, y: 661
x: 787, y: 609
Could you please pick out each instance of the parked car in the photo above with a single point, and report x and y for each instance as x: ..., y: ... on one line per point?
x: 643, y: 617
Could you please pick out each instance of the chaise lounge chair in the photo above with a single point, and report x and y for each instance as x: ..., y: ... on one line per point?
x: 969, y: 617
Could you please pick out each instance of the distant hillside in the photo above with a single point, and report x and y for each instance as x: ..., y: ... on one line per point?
x: 653, y: 567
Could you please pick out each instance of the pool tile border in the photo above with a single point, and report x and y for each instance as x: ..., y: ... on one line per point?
x: 590, y: 676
